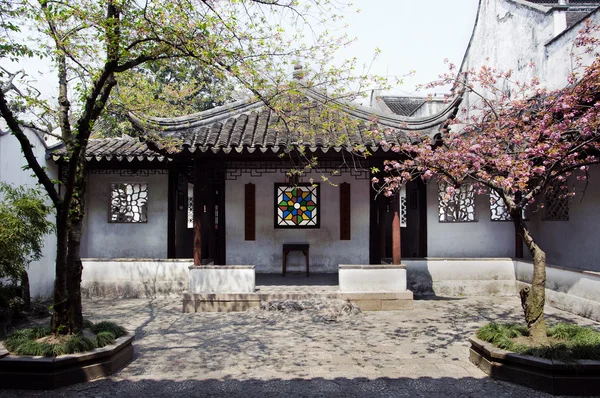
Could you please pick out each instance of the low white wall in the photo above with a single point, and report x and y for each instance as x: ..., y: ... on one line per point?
x: 131, y: 278
x: 327, y: 251
x: 372, y: 278
x: 461, y: 276
x: 222, y: 279
x: 570, y: 290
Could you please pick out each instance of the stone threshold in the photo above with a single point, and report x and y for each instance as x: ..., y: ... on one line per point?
x: 238, y: 302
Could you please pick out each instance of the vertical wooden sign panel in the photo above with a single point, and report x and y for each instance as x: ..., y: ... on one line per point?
x: 345, y: 212
x: 250, y: 212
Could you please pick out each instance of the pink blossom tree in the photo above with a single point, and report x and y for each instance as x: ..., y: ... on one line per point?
x: 519, y: 144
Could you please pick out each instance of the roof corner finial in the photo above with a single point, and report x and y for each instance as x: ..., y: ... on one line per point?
x: 298, y: 71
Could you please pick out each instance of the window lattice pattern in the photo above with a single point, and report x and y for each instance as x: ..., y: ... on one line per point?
x: 403, y: 220
x: 556, y: 205
x: 128, y: 203
x: 498, y: 208
x: 190, y: 206
x: 190, y: 212
x: 459, y: 208
x: 499, y: 211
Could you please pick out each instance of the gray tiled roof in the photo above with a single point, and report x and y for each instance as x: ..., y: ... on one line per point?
x: 121, y: 149
x: 249, y: 126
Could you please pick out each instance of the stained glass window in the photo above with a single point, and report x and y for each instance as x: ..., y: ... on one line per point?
x: 297, y: 206
x: 128, y: 203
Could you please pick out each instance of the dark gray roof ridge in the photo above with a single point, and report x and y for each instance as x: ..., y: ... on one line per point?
x: 197, y: 119
x: 392, y: 120
x: 225, y: 112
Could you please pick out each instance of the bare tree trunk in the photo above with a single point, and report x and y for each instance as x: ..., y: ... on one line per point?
x: 25, y: 291
x: 59, y: 321
x: 74, y: 265
x: 533, y: 298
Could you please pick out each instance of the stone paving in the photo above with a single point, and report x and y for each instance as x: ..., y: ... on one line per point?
x: 412, y: 353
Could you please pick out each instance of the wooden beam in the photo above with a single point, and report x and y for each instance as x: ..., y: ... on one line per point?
x: 396, y: 245
x: 199, y: 181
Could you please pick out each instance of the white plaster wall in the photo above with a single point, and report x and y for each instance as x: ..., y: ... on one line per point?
x: 559, y: 60
x: 573, y: 243
x: 41, y: 273
x: 102, y: 239
x: 483, y: 238
x: 327, y: 251
x: 510, y: 35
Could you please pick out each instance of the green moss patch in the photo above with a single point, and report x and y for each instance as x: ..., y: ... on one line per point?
x: 39, y: 341
x: 566, y: 342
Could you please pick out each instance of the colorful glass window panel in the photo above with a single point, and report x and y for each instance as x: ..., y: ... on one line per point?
x: 297, y: 206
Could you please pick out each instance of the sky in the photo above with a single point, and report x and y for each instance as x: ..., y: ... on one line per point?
x: 413, y: 35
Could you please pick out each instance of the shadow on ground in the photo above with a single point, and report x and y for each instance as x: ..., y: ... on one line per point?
x: 315, y: 387
x: 419, y: 352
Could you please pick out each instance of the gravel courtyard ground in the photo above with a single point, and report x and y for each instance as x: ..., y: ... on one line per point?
x: 420, y: 352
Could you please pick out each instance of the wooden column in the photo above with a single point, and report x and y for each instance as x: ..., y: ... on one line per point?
x: 171, y: 207
x: 374, y: 255
x: 199, y: 181
x: 396, y: 251
x: 382, y: 203
x: 518, y: 246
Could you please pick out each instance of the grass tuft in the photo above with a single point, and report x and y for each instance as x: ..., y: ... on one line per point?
x: 24, y: 341
x: 105, y: 338
x: 570, y: 342
x: 87, y: 324
x: 79, y: 343
x: 112, y: 327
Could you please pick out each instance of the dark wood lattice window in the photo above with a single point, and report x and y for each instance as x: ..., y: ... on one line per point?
x: 345, y: 212
x: 556, y: 205
x: 128, y: 203
x: 250, y: 211
x: 460, y: 207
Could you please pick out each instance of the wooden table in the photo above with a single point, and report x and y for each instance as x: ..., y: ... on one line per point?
x: 289, y: 247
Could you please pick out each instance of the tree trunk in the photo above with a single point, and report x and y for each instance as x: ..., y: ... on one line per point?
x: 74, y: 265
x: 25, y: 292
x: 59, y: 319
x: 533, y: 298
